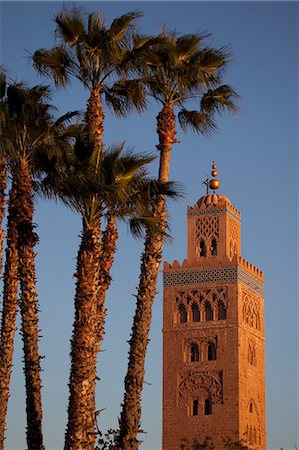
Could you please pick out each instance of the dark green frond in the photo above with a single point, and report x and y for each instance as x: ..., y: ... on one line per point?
x: 125, y: 95
x: 198, y: 121
x: 70, y: 25
x: 55, y: 63
x: 123, y: 25
x: 2, y: 82
x: 220, y: 99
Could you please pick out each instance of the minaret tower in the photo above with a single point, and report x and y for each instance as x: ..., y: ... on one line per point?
x: 213, y: 334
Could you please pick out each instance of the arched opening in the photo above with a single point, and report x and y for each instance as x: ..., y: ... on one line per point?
x: 211, y: 351
x: 195, y: 408
x: 208, y: 407
x: 251, y: 407
x: 195, y: 313
x: 221, y: 311
x: 214, y: 247
x: 202, y: 248
x: 182, y: 314
x: 208, y: 311
x: 194, y: 353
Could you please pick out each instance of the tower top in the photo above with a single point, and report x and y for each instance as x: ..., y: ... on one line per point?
x: 214, y: 183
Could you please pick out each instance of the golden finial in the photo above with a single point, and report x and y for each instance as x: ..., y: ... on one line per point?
x: 214, y: 183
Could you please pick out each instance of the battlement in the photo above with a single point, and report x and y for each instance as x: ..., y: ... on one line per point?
x: 251, y: 269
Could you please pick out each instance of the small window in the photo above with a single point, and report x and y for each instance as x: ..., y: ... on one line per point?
x: 194, y: 353
x: 182, y: 314
x: 202, y: 248
x: 208, y: 407
x: 195, y: 408
x: 209, y: 311
x: 195, y: 313
x: 251, y: 407
x: 214, y: 247
x: 221, y: 311
x: 211, y: 351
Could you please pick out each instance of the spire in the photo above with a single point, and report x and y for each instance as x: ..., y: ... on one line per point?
x: 214, y: 183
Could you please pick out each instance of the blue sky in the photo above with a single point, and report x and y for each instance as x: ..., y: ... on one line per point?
x: 256, y: 155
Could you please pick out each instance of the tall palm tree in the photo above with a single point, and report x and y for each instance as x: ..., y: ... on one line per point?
x: 98, y: 56
x: 3, y: 166
x: 179, y: 70
x: 117, y: 189
x: 28, y: 132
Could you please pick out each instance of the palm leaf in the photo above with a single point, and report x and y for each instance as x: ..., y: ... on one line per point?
x: 70, y: 25
x: 198, y: 121
x: 55, y: 62
x: 123, y: 25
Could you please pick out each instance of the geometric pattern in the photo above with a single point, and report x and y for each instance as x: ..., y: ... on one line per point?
x: 205, y: 276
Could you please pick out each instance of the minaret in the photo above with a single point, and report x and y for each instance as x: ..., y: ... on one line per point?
x: 213, y: 334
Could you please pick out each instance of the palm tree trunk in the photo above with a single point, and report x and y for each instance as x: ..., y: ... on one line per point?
x: 80, y: 433
x: 29, y: 309
x: 94, y: 118
x: 3, y: 175
x: 108, y: 250
x: 10, y: 304
x: 150, y: 262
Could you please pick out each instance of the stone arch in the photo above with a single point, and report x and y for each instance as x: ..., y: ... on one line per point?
x: 195, y: 312
x: 213, y: 246
x: 221, y: 310
x: 209, y: 313
x: 200, y: 385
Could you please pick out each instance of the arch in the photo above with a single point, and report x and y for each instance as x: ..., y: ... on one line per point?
x: 202, y: 248
x: 194, y: 352
x: 209, y: 311
x: 214, y: 246
x: 208, y: 407
x: 211, y: 351
x: 195, y: 313
x: 182, y: 313
x: 195, y: 407
x: 221, y: 310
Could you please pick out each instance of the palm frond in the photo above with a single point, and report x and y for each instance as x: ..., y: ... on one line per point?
x: 198, y: 121
x: 123, y: 25
x: 55, y: 63
x: 125, y: 95
x: 220, y: 99
x: 70, y: 25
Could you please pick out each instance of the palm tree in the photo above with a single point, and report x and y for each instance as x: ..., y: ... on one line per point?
x: 98, y: 56
x: 117, y: 189
x: 179, y: 70
x: 28, y: 133
x: 3, y: 167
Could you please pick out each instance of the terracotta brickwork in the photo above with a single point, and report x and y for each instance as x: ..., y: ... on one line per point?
x: 213, y: 336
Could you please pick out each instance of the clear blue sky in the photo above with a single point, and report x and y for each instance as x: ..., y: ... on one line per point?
x: 256, y: 154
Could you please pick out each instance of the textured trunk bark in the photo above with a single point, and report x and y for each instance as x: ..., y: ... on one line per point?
x: 80, y: 433
x: 108, y: 249
x: 94, y: 118
x: 150, y: 263
x: 9, y: 307
x: 3, y: 175
x: 29, y: 309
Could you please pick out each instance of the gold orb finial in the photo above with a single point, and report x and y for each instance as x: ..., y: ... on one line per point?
x: 214, y: 183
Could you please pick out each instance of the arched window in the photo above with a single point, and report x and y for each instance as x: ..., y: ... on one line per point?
x: 251, y: 407
x: 195, y: 408
x: 208, y: 407
x: 221, y: 311
x: 208, y: 311
x: 214, y: 247
x: 194, y: 353
x: 182, y: 314
x: 195, y: 313
x: 211, y: 351
x: 202, y: 248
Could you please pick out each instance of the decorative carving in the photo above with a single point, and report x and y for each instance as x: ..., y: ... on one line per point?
x: 195, y: 382
x: 251, y: 354
x: 206, y: 276
x: 251, y: 311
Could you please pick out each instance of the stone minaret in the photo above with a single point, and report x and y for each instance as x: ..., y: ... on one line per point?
x: 213, y: 334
